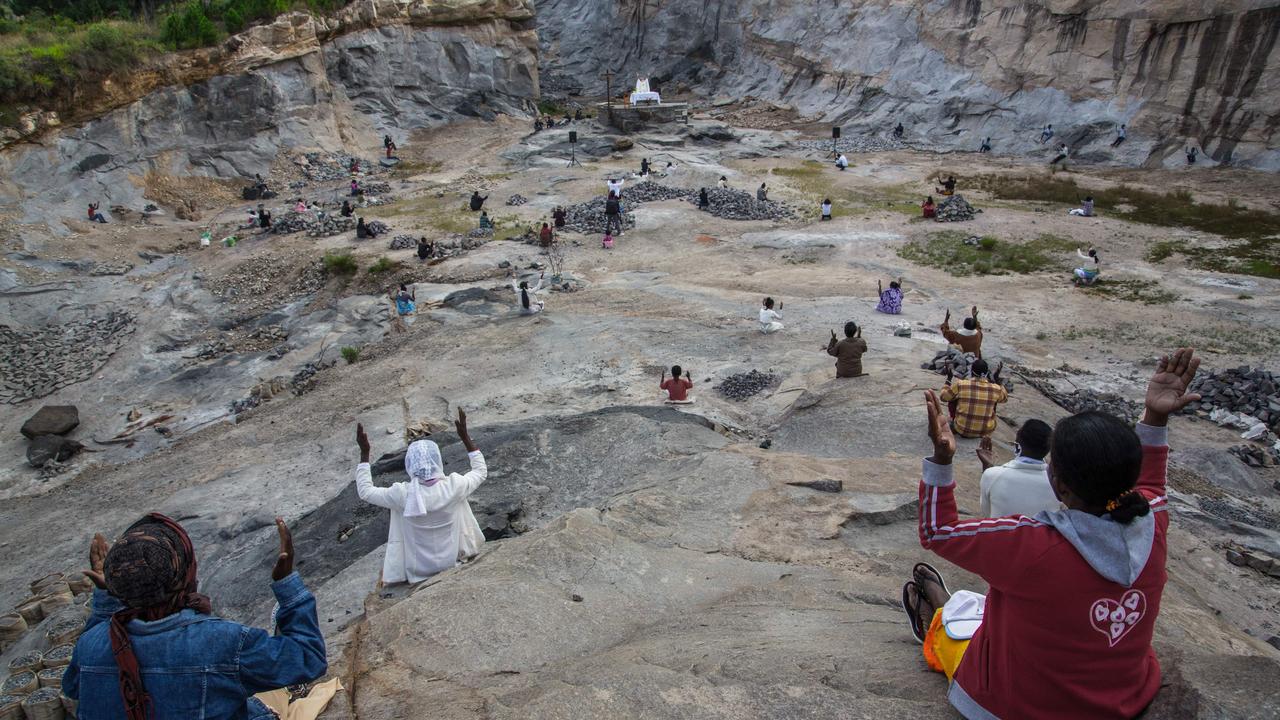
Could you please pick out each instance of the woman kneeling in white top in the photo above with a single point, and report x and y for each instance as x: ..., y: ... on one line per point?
x: 432, y: 526
x: 770, y: 320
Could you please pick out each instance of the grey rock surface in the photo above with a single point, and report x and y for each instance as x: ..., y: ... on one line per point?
x: 52, y: 420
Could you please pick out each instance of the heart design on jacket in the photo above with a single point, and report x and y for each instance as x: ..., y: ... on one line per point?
x: 1115, y: 618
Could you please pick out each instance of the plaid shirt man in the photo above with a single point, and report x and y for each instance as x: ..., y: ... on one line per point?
x: 975, y: 405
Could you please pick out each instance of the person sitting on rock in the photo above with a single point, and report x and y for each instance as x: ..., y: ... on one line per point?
x: 1192, y: 152
x: 545, y: 236
x: 1085, y: 209
x: 724, y: 182
x: 928, y: 209
x: 300, y: 206
x: 704, y: 202
x: 1088, y: 274
x: 537, y: 124
x: 825, y: 209
x: 485, y: 222
x: 948, y: 186
x: 152, y: 647
x: 606, y: 242
x: 974, y: 400
x: 559, y: 217
x: 677, y: 387
x: 898, y: 131
x: 432, y: 525
x: 1061, y: 157
x: 264, y: 217
x: 529, y: 302
x: 842, y: 162
x: 347, y: 209
x: 891, y: 299
x: 1121, y: 135
x: 364, y: 231
x: 644, y: 167
x: 577, y: 114
x: 426, y: 249
x: 406, y: 300
x: 477, y: 201
x: 968, y: 337
x: 1074, y: 594
x: 1046, y: 134
x: 762, y: 193
x: 1020, y: 486
x: 770, y: 320
x: 94, y: 215
x: 985, y: 147
x: 848, y: 352
x: 355, y: 188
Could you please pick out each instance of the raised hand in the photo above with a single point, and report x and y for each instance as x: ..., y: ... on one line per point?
x: 461, y: 426
x: 974, y: 313
x: 947, y: 320
x: 944, y: 441
x: 1167, y: 391
x: 985, y: 452
x: 284, y: 561
x: 98, y: 548
x: 362, y: 440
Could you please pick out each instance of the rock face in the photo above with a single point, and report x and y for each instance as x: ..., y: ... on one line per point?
x: 956, y: 71
x: 297, y: 82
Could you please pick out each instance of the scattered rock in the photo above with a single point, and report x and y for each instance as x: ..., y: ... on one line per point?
x: 733, y: 204
x: 960, y: 364
x: 825, y: 485
x: 852, y: 144
x: 109, y: 268
x: 1254, y: 392
x: 403, y: 242
x: 517, y: 199
x: 39, y: 361
x: 45, y: 448
x: 622, y: 144
x: 51, y: 420
x: 378, y: 227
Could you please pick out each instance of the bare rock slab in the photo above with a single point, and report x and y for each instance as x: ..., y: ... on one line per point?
x: 52, y: 420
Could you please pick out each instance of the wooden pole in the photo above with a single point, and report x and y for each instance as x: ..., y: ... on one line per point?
x: 608, y: 92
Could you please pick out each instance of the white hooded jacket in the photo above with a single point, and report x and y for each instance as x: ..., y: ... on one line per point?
x: 431, y: 524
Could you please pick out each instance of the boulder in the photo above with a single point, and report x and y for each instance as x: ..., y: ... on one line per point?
x: 52, y: 420
x: 44, y: 448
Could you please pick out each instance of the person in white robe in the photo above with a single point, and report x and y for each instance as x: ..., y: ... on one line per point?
x: 432, y: 526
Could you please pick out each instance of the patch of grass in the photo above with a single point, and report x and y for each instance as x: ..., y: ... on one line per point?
x: 350, y: 354
x: 382, y: 265
x: 550, y: 107
x: 47, y: 60
x: 1147, y: 292
x: 1257, y: 253
x: 340, y: 263
x: 1244, y: 296
x: 947, y: 250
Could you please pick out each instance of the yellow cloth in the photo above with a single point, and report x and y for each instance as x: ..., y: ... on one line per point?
x: 307, y: 708
x: 941, y: 651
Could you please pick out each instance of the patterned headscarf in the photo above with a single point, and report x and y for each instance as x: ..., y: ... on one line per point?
x: 423, y: 464
x: 152, y: 570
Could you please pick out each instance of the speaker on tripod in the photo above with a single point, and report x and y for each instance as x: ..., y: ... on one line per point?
x: 573, y: 149
x: 835, y: 137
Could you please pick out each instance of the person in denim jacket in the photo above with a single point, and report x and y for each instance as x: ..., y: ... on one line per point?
x: 151, y: 650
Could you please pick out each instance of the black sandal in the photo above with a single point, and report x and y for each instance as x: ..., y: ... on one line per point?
x: 911, y: 606
x: 925, y: 571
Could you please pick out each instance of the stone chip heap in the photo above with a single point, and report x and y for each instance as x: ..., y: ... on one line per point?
x: 746, y: 385
x: 40, y: 360
x: 954, y: 209
x: 733, y: 204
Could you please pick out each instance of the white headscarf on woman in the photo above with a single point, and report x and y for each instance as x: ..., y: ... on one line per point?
x: 424, y: 465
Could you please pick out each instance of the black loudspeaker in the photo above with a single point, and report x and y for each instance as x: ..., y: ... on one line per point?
x: 573, y: 136
x: 835, y: 133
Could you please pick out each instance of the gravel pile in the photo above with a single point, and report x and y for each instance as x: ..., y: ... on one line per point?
x: 331, y: 225
x: 477, y: 233
x: 290, y: 222
x: 260, y: 278
x: 960, y: 363
x: 403, y: 242
x: 317, y: 166
x: 38, y: 361
x: 517, y: 199
x: 1078, y: 401
x: 305, y: 379
x: 852, y: 144
x: 649, y: 191
x: 376, y: 188
x: 1248, y: 391
x: 745, y: 385
x: 733, y: 204
x: 588, y: 217
x: 954, y: 209
x: 377, y: 226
